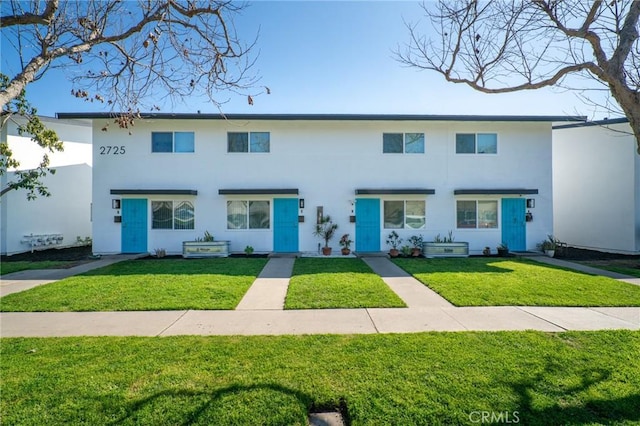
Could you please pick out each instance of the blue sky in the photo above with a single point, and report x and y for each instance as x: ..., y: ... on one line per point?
x: 336, y: 57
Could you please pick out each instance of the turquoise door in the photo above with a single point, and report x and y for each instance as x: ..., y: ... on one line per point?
x: 367, y: 224
x: 134, y: 225
x: 285, y: 225
x: 514, y: 230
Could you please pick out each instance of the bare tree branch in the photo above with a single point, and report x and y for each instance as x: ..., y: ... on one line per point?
x: 509, y: 45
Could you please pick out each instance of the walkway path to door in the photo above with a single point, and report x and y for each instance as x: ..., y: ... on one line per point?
x: 261, y: 312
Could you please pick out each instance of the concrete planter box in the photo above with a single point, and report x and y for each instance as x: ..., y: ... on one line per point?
x: 205, y: 248
x: 431, y: 250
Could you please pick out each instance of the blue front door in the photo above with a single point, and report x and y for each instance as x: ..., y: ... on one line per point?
x: 514, y: 230
x: 285, y: 225
x: 367, y: 224
x: 134, y: 225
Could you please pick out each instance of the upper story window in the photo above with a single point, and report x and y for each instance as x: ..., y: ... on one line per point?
x: 248, y: 141
x: 172, y: 215
x: 172, y: 142
x: 476, y: 143
x: 403, y: 143
x: 404, y: 214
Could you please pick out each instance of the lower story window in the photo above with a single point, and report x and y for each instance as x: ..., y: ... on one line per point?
x: 404, y: 214
x: 473, y: 214
x: 248, y: 215
x: 172, y: 215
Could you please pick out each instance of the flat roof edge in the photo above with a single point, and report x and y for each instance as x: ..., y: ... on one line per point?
x: 326, y: 117
x: 592, y: 123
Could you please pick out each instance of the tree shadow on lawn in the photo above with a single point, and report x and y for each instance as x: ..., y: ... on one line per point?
x: 455, y: 265
x: 265, y: 403
x: 217, y: 266
x: 312, y: 266
x: 570, y: 407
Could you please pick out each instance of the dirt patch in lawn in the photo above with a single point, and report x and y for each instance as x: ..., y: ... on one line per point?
x: 73, y: 255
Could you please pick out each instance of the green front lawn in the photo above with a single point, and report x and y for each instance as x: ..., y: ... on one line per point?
x: 620, y: 266
x: 492, y: 282
x: 145, y: 285
x: 319, y: 283
x: 10, y: 267
x: 413, y: 379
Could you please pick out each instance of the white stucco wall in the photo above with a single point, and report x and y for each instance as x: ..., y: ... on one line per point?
x: 597, y: 188
x: 326, y: 161
x: 75, y: 134
x: 67, y: 211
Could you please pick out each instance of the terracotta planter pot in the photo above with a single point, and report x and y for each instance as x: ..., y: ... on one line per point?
x: 394, y: 252
x: 345, y: 251
x: 326, y: 251
x: 415, y: 252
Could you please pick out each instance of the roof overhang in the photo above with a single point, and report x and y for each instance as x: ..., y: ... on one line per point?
x: 395, y: 191
x: 495, y: 191
x: 327, y: 117
x: 259, y: 191
x: 154, y: 192
x: 602, y: 123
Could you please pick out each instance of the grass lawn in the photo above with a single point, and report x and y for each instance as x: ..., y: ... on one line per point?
x: 137, y: 285
x: 627, y: 267
x: 10, y: 267
x: 413, y: 379
x: 492, y: 282
x: 319, y: 283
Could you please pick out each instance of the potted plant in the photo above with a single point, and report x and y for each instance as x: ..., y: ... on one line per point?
x: 486, y: 251
x: 416, y: 241
x: 503, y: 249
x: 345, y: 243
x: 549, y: 246
x: 326, y: 229
x: 205, y: 246
x: 248, y: 250
x: 394, y: 240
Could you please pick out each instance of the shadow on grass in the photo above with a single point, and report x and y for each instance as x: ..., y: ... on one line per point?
x: 219, y: 266
x: 310, y: 266
x: 267, y: 403
x: 605, y: 411
x: 454, y: 265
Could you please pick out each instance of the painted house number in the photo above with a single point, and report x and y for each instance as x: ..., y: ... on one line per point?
x: 113, y: 150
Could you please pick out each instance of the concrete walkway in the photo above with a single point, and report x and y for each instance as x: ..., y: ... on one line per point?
x: 261, y: 313
x: 24, y: 280
x: 269, y: 290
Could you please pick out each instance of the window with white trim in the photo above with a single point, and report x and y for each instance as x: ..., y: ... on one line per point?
x: 248, y: 214
x: 476, y: 143
x: 403, y: 143
x: 404, y: 214
x: 476, y: 214
x: 248, y: 142
x: 172, y: 142
x: 172, y: 215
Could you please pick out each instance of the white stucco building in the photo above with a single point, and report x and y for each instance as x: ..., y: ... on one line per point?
x: 596, y: 173
x: 262, y: 179
x: 58, y: 220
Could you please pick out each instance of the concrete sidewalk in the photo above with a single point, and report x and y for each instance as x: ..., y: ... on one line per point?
x: 261, y: 313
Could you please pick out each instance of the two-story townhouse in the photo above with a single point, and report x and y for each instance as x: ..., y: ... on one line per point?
x: 263, y: 179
